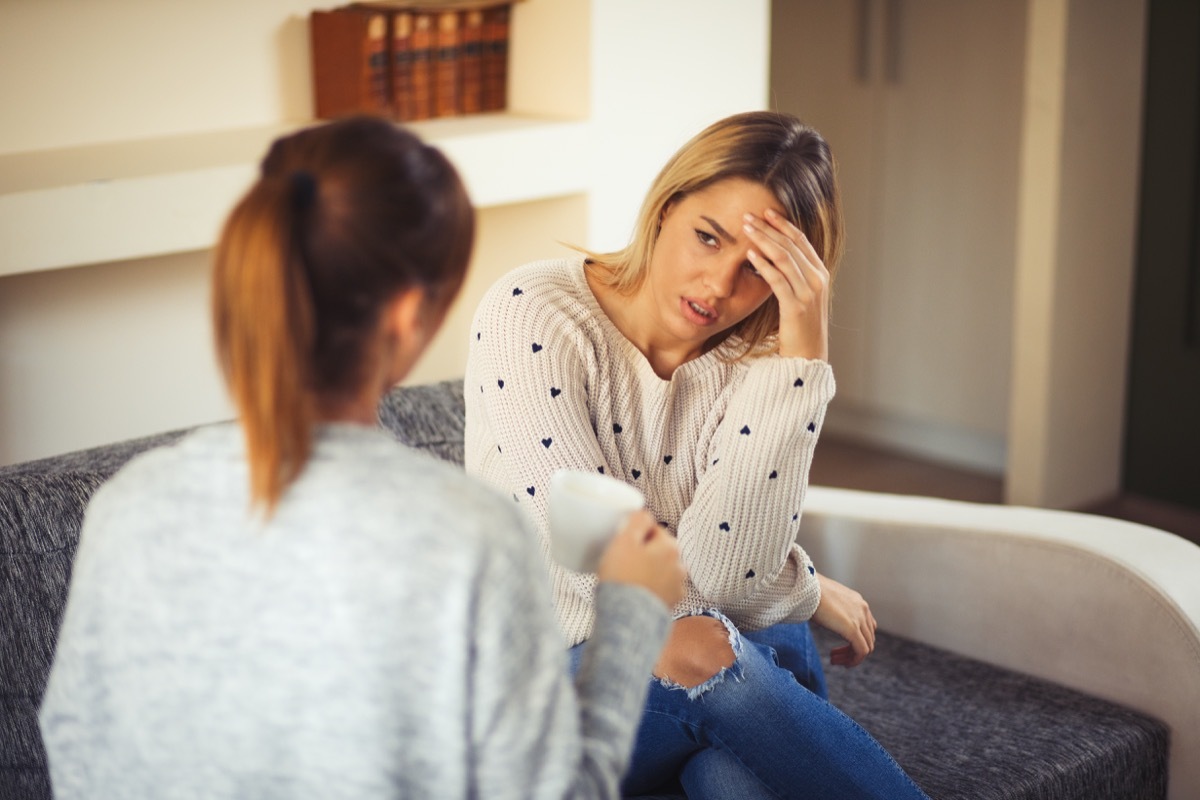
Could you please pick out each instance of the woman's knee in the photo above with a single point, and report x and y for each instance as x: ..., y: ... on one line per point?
x: 700, y: 649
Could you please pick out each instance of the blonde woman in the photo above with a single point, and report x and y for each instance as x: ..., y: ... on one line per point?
x: 295, y: 606
x: 693, y: 364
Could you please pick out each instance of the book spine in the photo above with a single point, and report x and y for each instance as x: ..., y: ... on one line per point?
x: 403, y: 108
x: 495, y: 58
x: 446, y: 71
x: 378, y: 66
x: 472, y: 61
x: 350, y: 62
x: 421, y: 59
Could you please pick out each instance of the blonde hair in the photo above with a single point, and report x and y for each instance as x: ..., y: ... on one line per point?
x: 342, y: 217
x: 779, y: 152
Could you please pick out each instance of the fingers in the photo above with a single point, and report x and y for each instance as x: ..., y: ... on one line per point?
x: 843, y: 657
x: 644, y: 531
x: 640, y: 524
x: 779, y: 246
x: 791, y: 266
x: 645, y: 555
x: 859, y: 648
x: 846, y: 613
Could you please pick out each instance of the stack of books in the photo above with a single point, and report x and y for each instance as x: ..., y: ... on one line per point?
x: 411, y: 59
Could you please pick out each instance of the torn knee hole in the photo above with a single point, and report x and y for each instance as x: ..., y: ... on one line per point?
x: 705, y: 647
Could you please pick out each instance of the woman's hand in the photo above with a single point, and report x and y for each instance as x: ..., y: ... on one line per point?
x: 645, y: 555
x: 845, y: 612
x: 790, y: 265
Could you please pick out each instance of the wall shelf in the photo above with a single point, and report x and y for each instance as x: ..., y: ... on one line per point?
x: 138, y: 198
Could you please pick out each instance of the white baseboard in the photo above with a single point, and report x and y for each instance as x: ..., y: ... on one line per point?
x: 934, y: 441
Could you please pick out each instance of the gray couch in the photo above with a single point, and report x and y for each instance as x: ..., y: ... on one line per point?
x: 963, y: 728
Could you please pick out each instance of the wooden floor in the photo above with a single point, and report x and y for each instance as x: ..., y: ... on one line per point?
x: 854, y: 466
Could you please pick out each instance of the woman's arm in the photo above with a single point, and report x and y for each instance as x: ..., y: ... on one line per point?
x: 533, y: 732
x: 528, y: 411
x: 738, y: 535
x: 766, y: 441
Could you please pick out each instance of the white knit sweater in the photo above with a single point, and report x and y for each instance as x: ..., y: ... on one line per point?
x: 721, y: 450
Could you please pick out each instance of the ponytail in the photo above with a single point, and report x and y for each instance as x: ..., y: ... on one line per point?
x: 264, y: 325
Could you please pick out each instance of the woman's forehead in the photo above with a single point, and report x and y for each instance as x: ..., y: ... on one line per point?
x: 732, y: 197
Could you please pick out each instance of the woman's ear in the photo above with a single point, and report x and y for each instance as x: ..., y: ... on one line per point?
x: 408, y: 326
x: 667, y: 208
x: 404, y: 314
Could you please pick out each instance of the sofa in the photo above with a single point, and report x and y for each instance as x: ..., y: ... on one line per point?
x: 1023, y: 653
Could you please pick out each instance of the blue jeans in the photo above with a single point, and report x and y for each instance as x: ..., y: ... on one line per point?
x: 761, y: 728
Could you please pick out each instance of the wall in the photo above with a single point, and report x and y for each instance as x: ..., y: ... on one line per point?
x: 78, y: 73
x: 920, y: 102
x: 103, y: 352
x: 660, y: 72
x: 1052, y: 364
x: 1082, y: 145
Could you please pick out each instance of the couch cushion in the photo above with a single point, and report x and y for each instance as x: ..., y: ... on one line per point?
x: 428, y: 417
x: 40, y: 516
x: 969, y: 730
x: 104, y: 460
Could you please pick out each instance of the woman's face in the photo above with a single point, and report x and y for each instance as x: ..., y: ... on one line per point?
x: 700, y: 280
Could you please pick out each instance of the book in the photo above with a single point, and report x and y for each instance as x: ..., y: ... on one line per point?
x: 403, y: 107
x: 421, y: 59
x: 432, y: 5
x: 445, y: 66
x: 351, y: 73
x: 471, y: 62
x: 495, y: 57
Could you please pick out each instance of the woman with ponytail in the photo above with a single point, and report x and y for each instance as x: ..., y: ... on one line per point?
x: 294, y: 605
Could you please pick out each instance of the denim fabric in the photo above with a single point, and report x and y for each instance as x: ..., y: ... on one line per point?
x: 773, y: 736
x: 793, y: 648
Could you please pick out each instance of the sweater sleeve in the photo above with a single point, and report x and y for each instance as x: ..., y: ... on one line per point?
x: 531, y: 369
x: 533, y: 732
x: 737, y: 538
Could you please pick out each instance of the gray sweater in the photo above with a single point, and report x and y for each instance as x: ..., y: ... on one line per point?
x: 388, y: 633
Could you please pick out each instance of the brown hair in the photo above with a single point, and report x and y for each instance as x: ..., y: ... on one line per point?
x: 342, y: 217
x: 776, y: 150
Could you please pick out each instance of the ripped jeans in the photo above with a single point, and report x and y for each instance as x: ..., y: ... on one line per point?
x: 761, y: 728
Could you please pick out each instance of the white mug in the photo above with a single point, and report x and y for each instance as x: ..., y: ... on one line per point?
x: 586, y: 510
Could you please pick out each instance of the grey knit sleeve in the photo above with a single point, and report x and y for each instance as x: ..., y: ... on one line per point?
x: 535, y: 733
x: 631, y: 628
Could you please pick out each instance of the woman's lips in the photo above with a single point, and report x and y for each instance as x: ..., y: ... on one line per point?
x: 697, y: 312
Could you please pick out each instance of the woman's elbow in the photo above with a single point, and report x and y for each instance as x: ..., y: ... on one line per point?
x: 729, y: 588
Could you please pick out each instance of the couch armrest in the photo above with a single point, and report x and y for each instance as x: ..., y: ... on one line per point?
x: 1107, y: 607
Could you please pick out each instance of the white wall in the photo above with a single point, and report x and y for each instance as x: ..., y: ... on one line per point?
x: 661, y: 71
x: 108, y: 70
x: 104, y: 352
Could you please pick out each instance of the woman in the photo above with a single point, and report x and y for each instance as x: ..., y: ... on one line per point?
x: 693, y: 364
x: 295, y: 605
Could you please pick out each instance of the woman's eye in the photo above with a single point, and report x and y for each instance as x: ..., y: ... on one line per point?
x: 750, y: 267
x: 706, y: 239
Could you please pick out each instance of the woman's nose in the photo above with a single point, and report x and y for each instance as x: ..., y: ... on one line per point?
x: 721, y: 280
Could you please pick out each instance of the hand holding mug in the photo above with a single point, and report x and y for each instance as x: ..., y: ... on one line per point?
x: 597, y: 525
